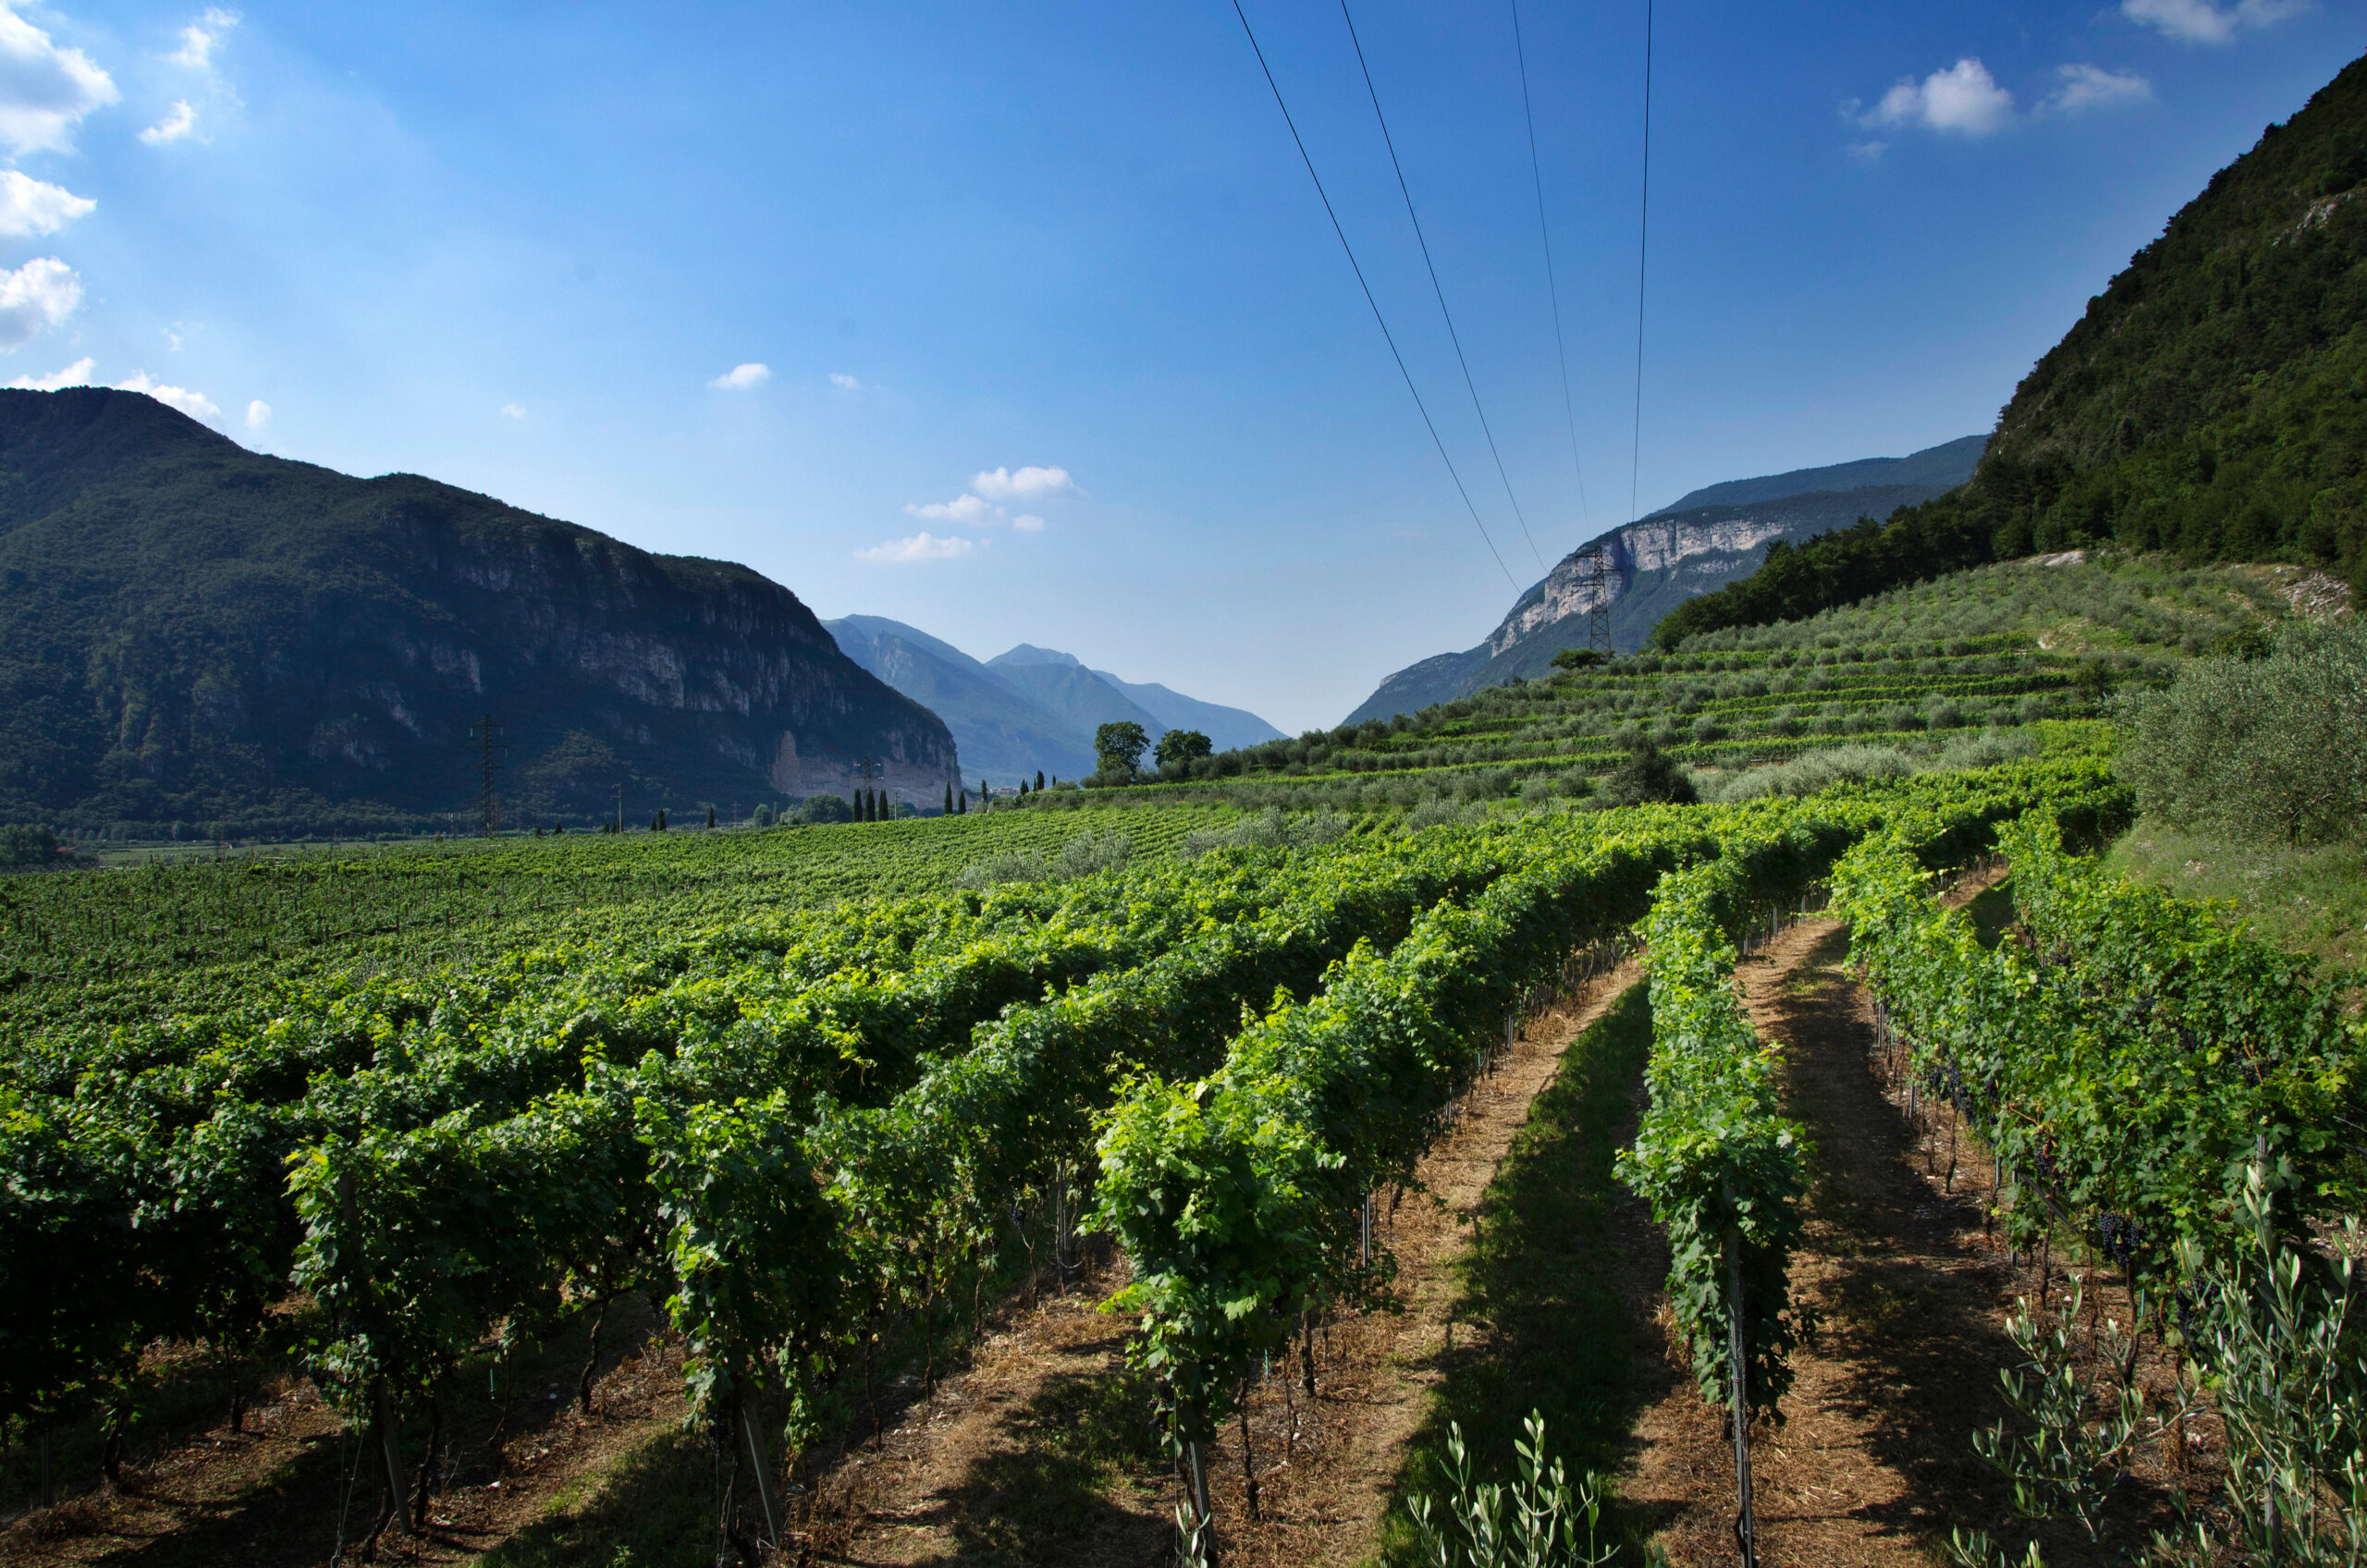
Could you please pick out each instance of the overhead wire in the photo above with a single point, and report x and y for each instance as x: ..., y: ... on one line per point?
x: 1436, y: 288
x: 1643, y: 237
x: 1553, y: 290
x: 1381, y: 320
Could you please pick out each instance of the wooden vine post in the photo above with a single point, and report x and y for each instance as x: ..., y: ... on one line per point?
x: 1738, y: 1382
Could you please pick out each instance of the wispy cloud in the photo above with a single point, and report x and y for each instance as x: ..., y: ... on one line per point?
x: 258, y: 415
x: 2200, y: 22
x: 2079, y: 88
x: 1963, y: 100
x: 922, y: 547
x: 199, y: 38
x: 739, y: 378
x: 34, y: 297
x: 45, y: 91
x: 76, y: 374
x: 1027, y: 523
x: 1027, y: 484
x: 961, y: 509
x: 197, y: 405
x: 844, y: 382
x: 512, y: 411
x: 29, y: 206
x: 178, y: 124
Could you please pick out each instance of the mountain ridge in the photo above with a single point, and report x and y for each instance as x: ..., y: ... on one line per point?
x: 194, y: 633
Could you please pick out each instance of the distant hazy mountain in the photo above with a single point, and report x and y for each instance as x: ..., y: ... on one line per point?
x: 191, y: 631
x: 1028, y: 709
x: 1226, y: 726
x: 1075, y: 697
x: 1002, y: 734
x: 1704, y: 541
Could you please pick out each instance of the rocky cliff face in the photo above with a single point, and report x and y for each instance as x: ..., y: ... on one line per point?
x: 1657, y: 562
x: 192, y: 632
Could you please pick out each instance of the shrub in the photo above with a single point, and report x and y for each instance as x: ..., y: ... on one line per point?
x: 1813, y: 772
x: 2275, y: 747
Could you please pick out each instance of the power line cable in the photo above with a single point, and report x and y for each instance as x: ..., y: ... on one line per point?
x: 1452, y: 335
x: 1561, y: 349
x: 1381, y: 321
x: 1643, y: 235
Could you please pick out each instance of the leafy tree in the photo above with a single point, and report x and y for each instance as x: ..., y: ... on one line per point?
x: 1577, y: 658
x: 1178, y: 747
x: 1120, y: 746
x: 1647, y: 775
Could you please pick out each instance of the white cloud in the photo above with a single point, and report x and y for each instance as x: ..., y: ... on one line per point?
x: 512, y: 411
x: 199, y: 38
x: 739, y: 378
x: 2092, y: 87
x: 1025, y: 486
x: 29, y: 206
x: 1869, y: 151
x: 34, y: 297
x: 2200, y: 22
x: 1027, y: 523
x: 76, y: 374
x: 181, y: 122
x: 1964, y: 100
x: 45, y: 91
x: 844, y: 382
x: 961, y: 509
x: 258, y: 415
x: 923, y: 546
x: 197, y: 405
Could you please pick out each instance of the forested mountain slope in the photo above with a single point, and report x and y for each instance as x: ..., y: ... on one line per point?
x: 2211, y: 402
x: 194, y: 633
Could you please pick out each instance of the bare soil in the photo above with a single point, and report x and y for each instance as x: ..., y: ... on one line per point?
x: 282, y: 1492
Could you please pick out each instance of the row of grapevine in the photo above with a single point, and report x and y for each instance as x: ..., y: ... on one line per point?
x: 2124, y: 1064
x: 474, y: 1158
x: 1238, y: 1196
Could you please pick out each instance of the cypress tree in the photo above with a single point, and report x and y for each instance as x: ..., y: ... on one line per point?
x: 949, y: 800
x: 1039, y: 781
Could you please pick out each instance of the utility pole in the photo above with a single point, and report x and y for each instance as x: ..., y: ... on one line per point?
x: 620, y: 808
x: 486, y: 736
x: 1603, y: 581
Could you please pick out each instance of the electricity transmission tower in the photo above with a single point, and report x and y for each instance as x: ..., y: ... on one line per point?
x: 486, y: 735
x: 1601, y: 580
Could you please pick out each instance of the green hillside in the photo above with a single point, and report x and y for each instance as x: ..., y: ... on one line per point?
x: 2003, y: 649
x: 2211, y: 403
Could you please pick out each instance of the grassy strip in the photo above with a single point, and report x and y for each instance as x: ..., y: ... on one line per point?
x: 1542, y: 1275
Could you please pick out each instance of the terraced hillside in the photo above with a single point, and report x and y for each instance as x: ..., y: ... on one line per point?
x: 2002, y: 648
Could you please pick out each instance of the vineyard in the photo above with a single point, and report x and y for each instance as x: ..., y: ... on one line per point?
x: 397, y: 1120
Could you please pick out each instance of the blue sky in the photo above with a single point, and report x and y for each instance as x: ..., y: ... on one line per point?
x: 1023, y: 322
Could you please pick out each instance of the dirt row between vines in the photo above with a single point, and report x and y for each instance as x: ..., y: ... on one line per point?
x: 1013, y: 1461
x: 1873, y: 1463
